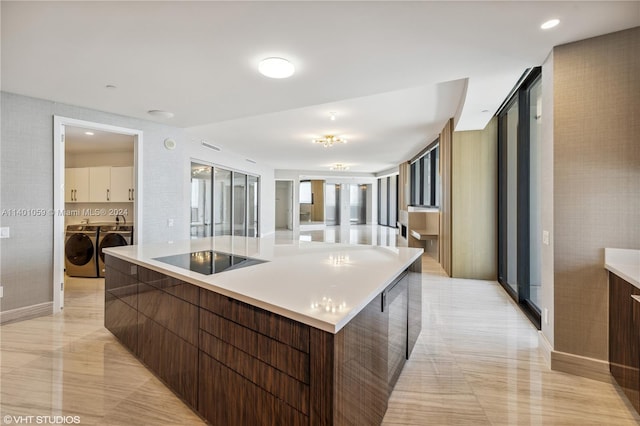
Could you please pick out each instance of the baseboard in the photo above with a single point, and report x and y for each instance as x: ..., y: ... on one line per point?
x: 590, y: 368
x: 545, y: 347
x: 27, y: 312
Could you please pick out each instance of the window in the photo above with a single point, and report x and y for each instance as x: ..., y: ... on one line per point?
x: 388, y: 201
x: 425, y: 178
x: 305, y: 192
x: 223, y: 202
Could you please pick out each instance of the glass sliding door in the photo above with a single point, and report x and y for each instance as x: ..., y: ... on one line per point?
x: 222, y: 202
x: 252, y: 206
x: 383, y: 200
x: 519, y: 223
x: 239, y: 204
x: 393, y: 200
x: 535, y: 220
x: 512, y: 196
x: 332, y: 204
x: 358, y: 204
x: 201, y: 200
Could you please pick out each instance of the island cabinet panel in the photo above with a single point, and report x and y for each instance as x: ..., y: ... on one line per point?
x: 169, y: 312
x: 171, y: 358
x: 121, y: 302
x: 624, y: 337
x: 235, y: 400
x: 282, y: 329
x: 396, y: 305
x: 180, y: 289
x: 414, y: 316
x: 360, y: 354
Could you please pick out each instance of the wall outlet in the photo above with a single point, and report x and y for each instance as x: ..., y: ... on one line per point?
x: 169, y: 223
x: 4, y: 232
x: 546, y: 315
x: 545, y: 238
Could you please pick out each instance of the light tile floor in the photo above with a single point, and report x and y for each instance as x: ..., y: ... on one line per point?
x: 476, y: 362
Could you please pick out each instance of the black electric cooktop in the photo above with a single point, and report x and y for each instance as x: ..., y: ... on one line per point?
x: 209, y: 262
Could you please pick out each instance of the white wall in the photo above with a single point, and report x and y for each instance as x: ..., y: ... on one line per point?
x: 26, y: 182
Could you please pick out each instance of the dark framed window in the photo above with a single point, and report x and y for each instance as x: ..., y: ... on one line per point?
x: 519, y: 233
x: 425, y: 177
x: 388, y: 201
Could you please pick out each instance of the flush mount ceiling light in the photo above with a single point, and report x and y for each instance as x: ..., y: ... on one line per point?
x: 339, y: 167
x: 332, y: 116
x: 89, y: 133
x: 160, y: 114
x: 329, y: 140
x: 550, y: 24
x: 276, y: 68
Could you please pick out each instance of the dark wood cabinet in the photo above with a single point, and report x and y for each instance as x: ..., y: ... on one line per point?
x: 624, y: 337
x: 235, y: 363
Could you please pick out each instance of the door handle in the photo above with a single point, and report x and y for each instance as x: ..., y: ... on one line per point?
x: 108, y: 196
x: 129, y: 194
x: 132, y: 194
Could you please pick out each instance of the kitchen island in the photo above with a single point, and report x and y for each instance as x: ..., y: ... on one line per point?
x: 303, y: 333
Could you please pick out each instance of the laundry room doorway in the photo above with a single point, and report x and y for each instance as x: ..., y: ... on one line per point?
x: 97, y: 200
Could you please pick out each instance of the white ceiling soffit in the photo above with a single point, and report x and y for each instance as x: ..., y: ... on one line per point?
x: 199, y: 59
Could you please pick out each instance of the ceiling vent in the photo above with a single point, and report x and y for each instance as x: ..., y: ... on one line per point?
x: 211, y: 146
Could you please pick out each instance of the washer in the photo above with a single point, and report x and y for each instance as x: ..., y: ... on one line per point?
x: 80, y: 249
x: 112, y: 236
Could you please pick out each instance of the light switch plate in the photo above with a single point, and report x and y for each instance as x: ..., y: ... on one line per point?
x: 545, y: 238
x: 4, y: 232
x: 1, y: 292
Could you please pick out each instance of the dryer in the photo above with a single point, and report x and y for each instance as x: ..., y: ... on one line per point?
x: 112, y: 236
x: 80, y: 249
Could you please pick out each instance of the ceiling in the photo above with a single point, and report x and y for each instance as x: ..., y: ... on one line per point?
x: 393, y: 71
x: 78, y: 142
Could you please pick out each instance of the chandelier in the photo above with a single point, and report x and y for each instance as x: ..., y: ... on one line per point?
x: 329, y: 140
x: 339, y: 167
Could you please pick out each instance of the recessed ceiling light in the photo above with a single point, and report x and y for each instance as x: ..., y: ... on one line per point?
x: 332, y: 115
x: 89, y: 133
x: 276, y: 68
x: 160, y: 114
x: 550, y: 24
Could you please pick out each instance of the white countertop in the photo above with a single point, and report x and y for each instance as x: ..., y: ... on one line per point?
x: 296, y: 278
x: 625, y: 263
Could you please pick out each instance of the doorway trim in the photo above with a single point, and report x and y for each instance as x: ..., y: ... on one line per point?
x: 59, y: 124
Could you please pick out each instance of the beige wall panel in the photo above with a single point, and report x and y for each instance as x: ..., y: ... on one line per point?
x: 474, y: 203
x: 445, y: 199
x: 596, y: 180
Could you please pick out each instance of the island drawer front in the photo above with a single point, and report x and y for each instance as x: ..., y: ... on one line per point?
x: 275, y: 326
x: 122, y: 286
x: 171, y: 358
x: 175, y: 314
x: 122, y: 321
x: 120, y: 265
x: 285, y: 358
x: 225, y: 398
x: 173, y: 286
x: 268, y: 378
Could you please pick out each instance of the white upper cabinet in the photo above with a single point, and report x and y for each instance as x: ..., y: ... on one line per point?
x: 76, y: 185
x: 122, y: 184
x: 99, y: 184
